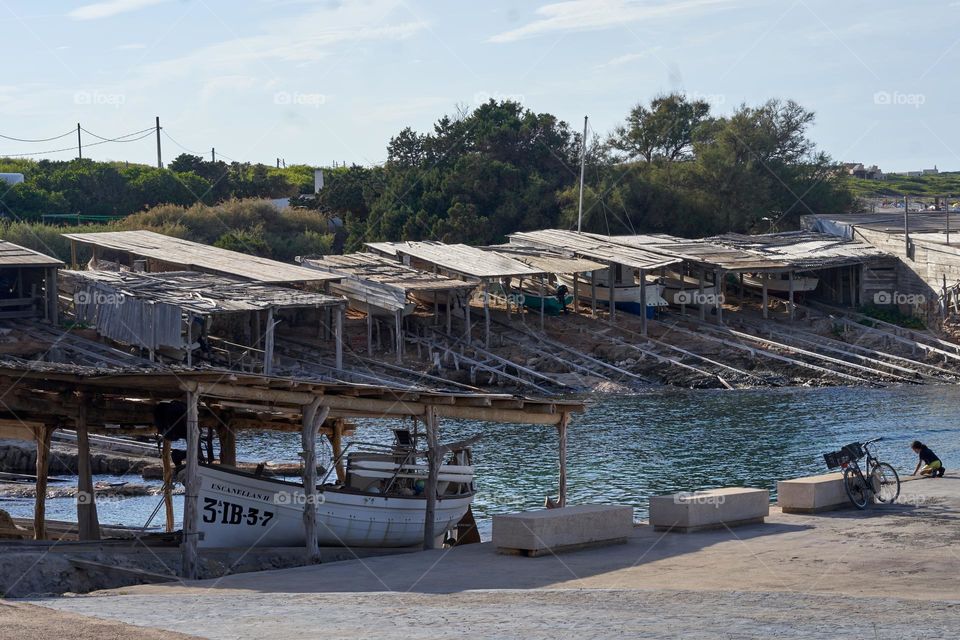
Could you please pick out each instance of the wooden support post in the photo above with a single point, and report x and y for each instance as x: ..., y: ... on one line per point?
x: 312, y: 417
x: 73, y: 255
x: 51, y: 297
x: 228, y: 445
x: 189, y: 338
x: 268, y: 345
x: 766, y: 307
x: 643, y: 303
x: 258, y: 339
x: 486, y: 314
x: 369, y: 332
x: 683, y: 293
x: 576, y: 292
x: 700, y: 305
x: 338, y: 338
x: 853, y: 286
x: 189, y: 563
x: 398, y: 333
x: 543, y: 301
x: 718, y: 296
x: 562, y: 454
x: 467, y: 333
x: 433, y: 460
x: 593, y: 294
x: 167, y: 460
x: 449, y: 304
x: 43, y: 436
x: 88, y: 526
x: 742, y: 291
x: 790, y: 295
x: 336, y: 443
x: 611, y: 290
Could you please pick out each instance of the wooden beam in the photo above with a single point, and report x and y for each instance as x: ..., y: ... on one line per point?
x: 398, y: 331
x: 643, y: 302
x: 88, y: 523
x: 433, y: 459
x: 43, y: 436
x: 228, y: 444
x: 562, y: 455
x: 313, y: 417
x: 166, y: 455
x: 338, y: 337
x: 189, y: 561
x: 268, y: 344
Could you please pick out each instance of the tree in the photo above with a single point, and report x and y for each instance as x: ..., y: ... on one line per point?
x: 662, y: 131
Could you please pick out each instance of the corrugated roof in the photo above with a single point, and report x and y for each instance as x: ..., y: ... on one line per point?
x: 593, y: 247
x: 546, y: 261
x: 194, y: 256
x: 458, y: 258
x: 804, y: 249
x: 200, y: 293
x: 372, y: 279
x: 13, y: 255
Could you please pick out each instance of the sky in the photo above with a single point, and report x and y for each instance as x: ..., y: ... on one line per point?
x: 319, y: 81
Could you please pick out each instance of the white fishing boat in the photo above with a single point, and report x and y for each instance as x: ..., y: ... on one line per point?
x: 627, y: 296
x: 366, y: 307
x: 674, y: 283
x: 780, y: 282
x: 381, y: 503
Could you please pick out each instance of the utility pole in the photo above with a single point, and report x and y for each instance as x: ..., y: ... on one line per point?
x: 79, y: 145
x: 906, y: 224
x: 159, y: 160
x: 213, y: 154
x: 583, y: 163
x: 278, y: 163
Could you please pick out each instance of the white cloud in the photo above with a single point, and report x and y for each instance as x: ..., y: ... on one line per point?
x: 305, y: 38
x: 110, y: 8
x: 584, y: 15
x: 628, y: 57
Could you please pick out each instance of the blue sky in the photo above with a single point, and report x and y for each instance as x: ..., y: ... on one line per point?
x: 314, y: 82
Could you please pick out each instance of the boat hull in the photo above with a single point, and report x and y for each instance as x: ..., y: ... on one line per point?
x: 776, y: 285
x: 626, y: 298
x: 240, y: 510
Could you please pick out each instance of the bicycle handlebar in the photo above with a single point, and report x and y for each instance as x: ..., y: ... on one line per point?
x: 872, y: 441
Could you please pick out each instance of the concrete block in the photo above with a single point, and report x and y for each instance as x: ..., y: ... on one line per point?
x: 535, y: 533
x: 715, y: 508
x: 812, y: 494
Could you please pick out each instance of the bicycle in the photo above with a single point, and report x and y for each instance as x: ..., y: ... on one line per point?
x: 880, y: 481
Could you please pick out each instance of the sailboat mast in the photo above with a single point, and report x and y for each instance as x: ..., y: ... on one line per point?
x: 583, y: 162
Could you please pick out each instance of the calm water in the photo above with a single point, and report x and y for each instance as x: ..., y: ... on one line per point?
x: 626, y: 448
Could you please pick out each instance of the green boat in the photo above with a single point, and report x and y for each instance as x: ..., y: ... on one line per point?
x: 551, y: 304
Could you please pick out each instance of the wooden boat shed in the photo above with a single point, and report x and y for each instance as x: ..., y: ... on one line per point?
x: 166, y: 253
x: 372, y: 282
x: 158, y: 310
x: 42, y: 397
x: 602, y: 249
x: 28, y: 283
x: 471, y: 264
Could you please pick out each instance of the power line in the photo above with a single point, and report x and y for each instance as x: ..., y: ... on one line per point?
x: 64, y: 135
x: 117, y: 139
x: 191, y: 151
x: 149, y: 132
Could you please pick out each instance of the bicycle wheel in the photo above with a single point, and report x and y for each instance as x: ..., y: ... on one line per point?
x: 885, y: 482
x: 856, y: 488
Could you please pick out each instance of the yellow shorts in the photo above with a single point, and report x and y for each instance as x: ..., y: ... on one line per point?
x: 933, y: 466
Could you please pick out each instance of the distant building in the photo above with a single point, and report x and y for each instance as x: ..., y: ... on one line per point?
x: 857, y: 170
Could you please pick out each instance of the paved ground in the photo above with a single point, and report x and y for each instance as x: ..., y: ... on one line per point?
x: 885, y: 573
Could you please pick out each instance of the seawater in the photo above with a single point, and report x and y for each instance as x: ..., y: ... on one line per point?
x: 624, y: 449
